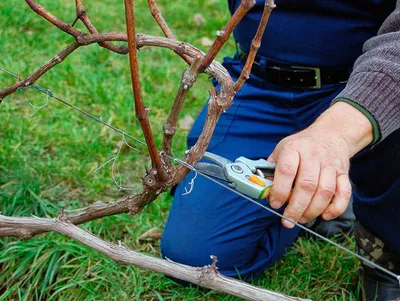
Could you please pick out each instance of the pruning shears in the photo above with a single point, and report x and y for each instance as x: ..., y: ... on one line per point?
x: 245, y: 175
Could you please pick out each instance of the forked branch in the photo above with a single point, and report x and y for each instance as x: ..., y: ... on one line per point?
x: 218, y: 103
x: 82, y: 15
x: 32, y: 78
x: 53, y: 19
x: 198, y: 66
x: 207, y: 276
x: 164, y: 176
x: 183, y: 49
x: 131, y: 204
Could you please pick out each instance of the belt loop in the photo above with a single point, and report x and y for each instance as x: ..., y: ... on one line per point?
x: 263, y: 66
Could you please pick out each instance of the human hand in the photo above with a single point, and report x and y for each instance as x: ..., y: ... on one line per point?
x: 312, y: 172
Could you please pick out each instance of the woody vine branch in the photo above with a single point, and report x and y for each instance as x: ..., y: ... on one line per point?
x: 163, y: 173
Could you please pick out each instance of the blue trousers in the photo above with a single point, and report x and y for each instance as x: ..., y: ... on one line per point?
x: 214, y: 221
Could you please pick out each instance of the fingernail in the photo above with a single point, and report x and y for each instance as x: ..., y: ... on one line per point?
x: 327, y: 216
x: 275, y: 205
x: 287, y: 224
x: 303, y: 220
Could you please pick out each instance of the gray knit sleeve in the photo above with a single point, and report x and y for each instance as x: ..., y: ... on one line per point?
x: 374, y: 85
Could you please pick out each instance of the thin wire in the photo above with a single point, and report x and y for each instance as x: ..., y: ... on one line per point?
x: 9, y: 73
x: 99, y: 120
x: 114, y: 165
x: 48, y: 92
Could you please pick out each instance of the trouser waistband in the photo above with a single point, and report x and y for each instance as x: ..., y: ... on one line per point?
x: 295, y: 76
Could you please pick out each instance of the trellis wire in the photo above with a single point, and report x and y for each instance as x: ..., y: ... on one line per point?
x: 179, y: 161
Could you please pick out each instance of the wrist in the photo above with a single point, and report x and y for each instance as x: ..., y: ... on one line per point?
x: 349, y: 124
x: 371, y: 118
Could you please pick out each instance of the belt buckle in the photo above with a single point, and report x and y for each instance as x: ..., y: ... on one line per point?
x: 318, y: 83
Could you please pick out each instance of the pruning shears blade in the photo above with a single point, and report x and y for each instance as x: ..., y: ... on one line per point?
x: 217, y: 159
x: 212, y: 170
x: 268, y: 172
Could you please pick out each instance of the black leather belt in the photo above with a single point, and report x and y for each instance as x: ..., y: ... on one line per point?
x: 296, y: 76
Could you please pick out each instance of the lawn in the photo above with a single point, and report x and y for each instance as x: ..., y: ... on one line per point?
x: 48, y: 158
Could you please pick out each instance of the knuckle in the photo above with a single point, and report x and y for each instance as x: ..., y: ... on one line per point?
x: 316, y: 207
x: 329, y: 164
x: 326, y: 192
x: 287, y: 170
x: 290, y: 145
x: 308, y: 185
x: 342, y: 166
x: 337, y: 163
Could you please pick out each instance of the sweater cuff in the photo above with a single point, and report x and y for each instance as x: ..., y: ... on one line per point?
x: 375, y: 94
x: 374, y: 123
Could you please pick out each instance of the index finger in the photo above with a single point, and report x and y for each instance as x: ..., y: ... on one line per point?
x: 304, y: 190
x: 285, y: 174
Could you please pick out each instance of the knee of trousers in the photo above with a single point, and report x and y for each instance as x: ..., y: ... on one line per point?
x: 230, y: 261
x: 198, y: 252
x: 238, y: 258
x: 245, y: 239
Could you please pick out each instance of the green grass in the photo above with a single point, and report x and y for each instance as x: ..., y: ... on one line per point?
x: 46, y: 161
